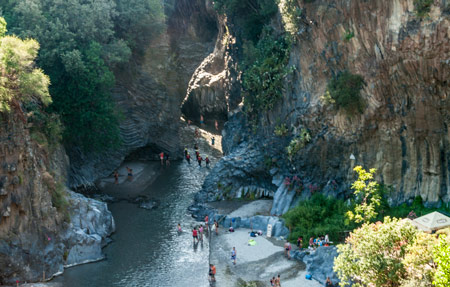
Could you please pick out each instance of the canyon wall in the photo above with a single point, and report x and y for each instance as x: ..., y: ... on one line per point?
x: 151, y: 87
x: 403, y: 130
x: 43, y: 226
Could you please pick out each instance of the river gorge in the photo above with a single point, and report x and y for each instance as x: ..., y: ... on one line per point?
x: 285, y: 97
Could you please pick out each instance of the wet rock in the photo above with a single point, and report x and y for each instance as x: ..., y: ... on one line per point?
x: 149, y: 204
x: 91, y: 224
x: 320, y: 263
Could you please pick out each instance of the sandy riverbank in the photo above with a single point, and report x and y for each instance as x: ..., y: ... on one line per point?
x: 257, y: 263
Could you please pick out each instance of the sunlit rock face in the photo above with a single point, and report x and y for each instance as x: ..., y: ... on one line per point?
x: 150, y: 89
x: 403, y: 131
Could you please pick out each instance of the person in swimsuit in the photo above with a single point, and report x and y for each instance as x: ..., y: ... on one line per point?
x: 202, y: 121
x: 287, y: 249
x: 194, y: 234
x: 161, y: 157
x: 217, y: 125
x: 200, y: 230
x: 116, y: 177
x: 130, y: 173
x: 233, y: 255
x: 278, y: 281
x: 179, y: 228
x: 216, y: 225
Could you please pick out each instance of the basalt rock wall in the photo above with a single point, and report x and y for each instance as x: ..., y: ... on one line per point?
x: 151, y: 87
x: 403, y: 130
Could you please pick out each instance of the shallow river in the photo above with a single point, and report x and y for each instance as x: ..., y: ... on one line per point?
x: 147, y: 251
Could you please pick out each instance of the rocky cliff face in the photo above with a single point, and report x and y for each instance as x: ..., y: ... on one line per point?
x: 36, y: 238
x: 403, y: 131
x: 151, y: 88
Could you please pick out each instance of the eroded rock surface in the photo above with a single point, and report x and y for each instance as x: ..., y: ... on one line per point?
x: 403, y: 131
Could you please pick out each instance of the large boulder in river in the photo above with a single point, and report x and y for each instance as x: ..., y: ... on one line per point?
x: 320, y: 264
x: 91, y: 224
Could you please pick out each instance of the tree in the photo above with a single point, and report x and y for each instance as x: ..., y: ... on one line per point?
x: 82, y: 41
x: 388, y: 254
x: 368, y: 198
x: 19, y: 79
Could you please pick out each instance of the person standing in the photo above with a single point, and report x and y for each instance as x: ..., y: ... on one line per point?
x: 212, y: 273
x: 216, y: 227
x: 185, y: 151
x: 233, y: 255
x: 213, y: 140
x: 167, y: 159
x: 200, y: 229
x: 202, y: 121
x: 179, y: 228
x: 300, y: 242
x: 194, y: 234
x: 207, y: 161
x: 188, y: 158
x: 130, y: 173
x: 207, y: 223
x: 199, y: 159
x: 278, y: 281
x: 217, y: 125
x: 116, y: 177
x: 161, y: 157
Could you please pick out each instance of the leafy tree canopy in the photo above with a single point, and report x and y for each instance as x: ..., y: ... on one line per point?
x: 82, y: 42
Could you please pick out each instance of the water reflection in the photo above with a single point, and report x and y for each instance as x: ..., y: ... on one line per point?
x: 147, y: 248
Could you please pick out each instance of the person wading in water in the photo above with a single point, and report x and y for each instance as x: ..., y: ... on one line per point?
x: 161, y: 156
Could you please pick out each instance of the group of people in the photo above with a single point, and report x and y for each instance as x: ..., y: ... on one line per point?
x: 198, y: 157
x: 129, y: 173
x: 319, y: 241
x: 164, y: 156
x: 275, y: 281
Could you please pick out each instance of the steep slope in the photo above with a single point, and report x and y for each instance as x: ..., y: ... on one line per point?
x: 403, y: 130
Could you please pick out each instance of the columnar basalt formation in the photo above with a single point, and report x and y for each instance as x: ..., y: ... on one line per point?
x: 403, y: 130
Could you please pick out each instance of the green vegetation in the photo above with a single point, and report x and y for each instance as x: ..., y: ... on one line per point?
x: 368, y: 197
x: 248, y: 16
x: 348, y: 35
x: 422, y: 7
x: 281, y: 130
x: 19, y: 79
x: 344, y: 91
x: 389, y: 254
x: 316, y: 216
x: 297, y: 143
x: 441, y: 255
x: 264, y: 69
x: 291, y: 15
x: 82, y: 42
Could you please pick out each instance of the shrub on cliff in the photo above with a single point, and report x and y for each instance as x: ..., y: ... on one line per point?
x: 344, y: 91
x: 264, y: 70
x: 19, y: 79
x: 422, y: 7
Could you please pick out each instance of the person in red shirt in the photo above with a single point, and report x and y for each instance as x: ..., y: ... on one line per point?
x: 188, y: 158
x: 207, y: 161
x: 161, y: 156
x: 212, y: 273
x: 195, y: 234
x: 199, y: 159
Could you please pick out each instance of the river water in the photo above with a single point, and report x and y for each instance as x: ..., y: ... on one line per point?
x: 146, y: 248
